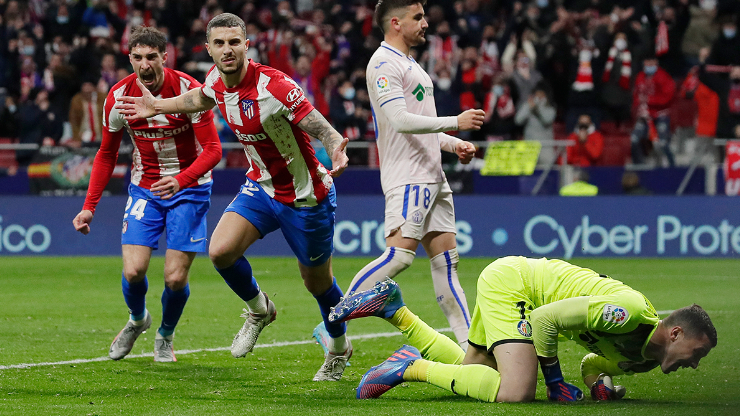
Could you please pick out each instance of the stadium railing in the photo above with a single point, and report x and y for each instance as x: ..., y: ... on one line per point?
x: 712, y: 167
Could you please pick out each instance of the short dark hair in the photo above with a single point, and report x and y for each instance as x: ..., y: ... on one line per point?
x: 226, y: 20
x: 147, y: 36
x: 385, y: 7
x: 694, y: 321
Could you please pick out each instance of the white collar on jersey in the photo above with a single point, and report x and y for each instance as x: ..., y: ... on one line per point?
x: 387, y: 45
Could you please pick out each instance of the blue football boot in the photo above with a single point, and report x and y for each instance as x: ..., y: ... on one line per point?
x: 387, y: 374
x: 383, y: 300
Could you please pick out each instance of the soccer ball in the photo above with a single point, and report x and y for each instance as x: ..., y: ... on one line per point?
x: 604, y: 389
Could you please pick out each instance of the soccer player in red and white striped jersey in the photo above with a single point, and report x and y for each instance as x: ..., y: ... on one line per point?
x: 286, y: 187
x: 170, y: 188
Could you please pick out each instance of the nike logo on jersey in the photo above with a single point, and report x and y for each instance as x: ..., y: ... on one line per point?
x: 316, y: 258
x: 380, y: 64
x: 195, y: 241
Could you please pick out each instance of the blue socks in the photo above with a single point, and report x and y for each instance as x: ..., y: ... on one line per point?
x: 326, y: 301
x: 173, y: 302
x: 552, y: 373
x: 135, y: 296
x: 239, y: 278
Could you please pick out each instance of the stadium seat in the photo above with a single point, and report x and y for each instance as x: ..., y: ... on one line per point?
x: 558, y: 131
x: 7, y: 156
x: 683, y: 113
x: 616, y: 149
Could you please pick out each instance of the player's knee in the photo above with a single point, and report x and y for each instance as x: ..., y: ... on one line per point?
x: 400, y: 259
x: 221, y: 256
x: 517, y: 387
x: 134, y: 273
x: 176, y: 279
x: 515, y: 395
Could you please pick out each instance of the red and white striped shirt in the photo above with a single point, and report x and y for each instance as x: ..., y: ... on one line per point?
x: 185, y: 146
x: 263, y: 111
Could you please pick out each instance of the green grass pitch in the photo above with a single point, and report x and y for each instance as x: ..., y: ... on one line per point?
x: 69, y: 309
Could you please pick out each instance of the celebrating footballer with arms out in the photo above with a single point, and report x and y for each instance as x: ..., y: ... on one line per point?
x: 170, y: 188
x: 523, y: 306
x: 418, y: 199
x: 286, y: 188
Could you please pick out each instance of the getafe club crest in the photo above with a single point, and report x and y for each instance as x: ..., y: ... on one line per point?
x: 524, y: 328
x: 248, y: 108
x: 417, y: 217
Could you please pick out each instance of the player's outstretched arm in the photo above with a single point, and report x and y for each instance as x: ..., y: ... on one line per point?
x: 317, y: 126
x: 135, y: 108
x: 207, y: 136
x: 82, y: 221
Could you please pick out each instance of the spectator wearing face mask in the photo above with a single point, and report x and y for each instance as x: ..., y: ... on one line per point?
x: 536, y: 115
x: 725, y: 50
x: 702, y: 32
x: 587, y: 143
x: 445, y: 94
x: 653, y: 95
x: 498, y: 123
x: 583, y: 96
x: 349, y: 117
x: 525, y: 77
x: 616, y: 92
x: 344, y: 111
x: 59, y: 23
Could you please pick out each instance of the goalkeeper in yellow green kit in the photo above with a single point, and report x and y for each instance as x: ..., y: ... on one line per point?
x: 522, y: 306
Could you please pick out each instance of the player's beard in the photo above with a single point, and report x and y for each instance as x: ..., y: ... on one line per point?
x: 418, y: 39
x: 239, y: 66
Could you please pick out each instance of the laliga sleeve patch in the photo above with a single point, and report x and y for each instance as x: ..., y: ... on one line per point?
x: 383, y: 84
x: 615, y: 314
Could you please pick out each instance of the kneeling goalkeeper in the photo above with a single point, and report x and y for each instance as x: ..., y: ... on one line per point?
x: 522, y: 306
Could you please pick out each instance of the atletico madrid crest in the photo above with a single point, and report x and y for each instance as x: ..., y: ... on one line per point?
x: 248, y: 108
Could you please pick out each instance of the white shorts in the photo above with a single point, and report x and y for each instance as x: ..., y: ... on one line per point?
x: 419, y: 209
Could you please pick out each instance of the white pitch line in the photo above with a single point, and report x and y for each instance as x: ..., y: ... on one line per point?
x: 182, y: 352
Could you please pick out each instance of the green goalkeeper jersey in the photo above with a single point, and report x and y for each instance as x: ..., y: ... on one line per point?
x: 603, y: 315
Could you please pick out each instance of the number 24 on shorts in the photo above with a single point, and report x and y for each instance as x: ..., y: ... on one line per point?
x: 138, y: 209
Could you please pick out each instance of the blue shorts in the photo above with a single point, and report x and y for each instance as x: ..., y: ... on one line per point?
x: 184, y: 216
x: 309, y: 231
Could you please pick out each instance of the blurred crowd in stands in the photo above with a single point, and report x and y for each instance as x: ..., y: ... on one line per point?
x: 623, y: 80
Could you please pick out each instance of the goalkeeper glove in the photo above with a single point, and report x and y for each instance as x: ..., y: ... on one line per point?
x: 604, y: 389
x: 557, y: 388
